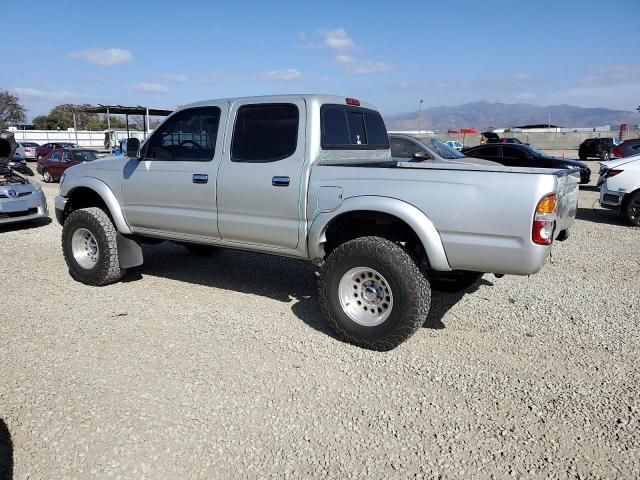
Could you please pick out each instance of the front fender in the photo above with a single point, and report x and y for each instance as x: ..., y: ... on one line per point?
x: 412, y: 216
x: 105, y: 193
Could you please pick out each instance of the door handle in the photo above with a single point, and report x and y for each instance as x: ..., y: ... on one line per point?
x: 200, y: 178
x: 280, y: 181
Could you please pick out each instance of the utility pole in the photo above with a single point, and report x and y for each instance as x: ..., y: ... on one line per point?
x: 420, y: 117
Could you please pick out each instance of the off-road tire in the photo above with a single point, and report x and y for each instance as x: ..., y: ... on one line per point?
x: 410, y: 288
x: 453, y: 282
x: 107, y: 269
x: 200, y: 250
x: 632, y: 215
x: 46, y: 176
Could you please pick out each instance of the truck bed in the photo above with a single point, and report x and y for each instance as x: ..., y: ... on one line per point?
x: 483, y: 214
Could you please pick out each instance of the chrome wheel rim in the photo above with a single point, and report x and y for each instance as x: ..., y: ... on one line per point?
x: 47, y: 176
x: 365, y: 296
x: 85, y: 248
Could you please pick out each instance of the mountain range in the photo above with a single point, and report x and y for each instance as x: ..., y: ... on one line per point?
x: 484, y: 115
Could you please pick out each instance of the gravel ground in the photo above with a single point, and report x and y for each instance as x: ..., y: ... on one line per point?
x: 224, y: 368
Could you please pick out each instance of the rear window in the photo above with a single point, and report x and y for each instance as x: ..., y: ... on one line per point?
x: 351, y: 128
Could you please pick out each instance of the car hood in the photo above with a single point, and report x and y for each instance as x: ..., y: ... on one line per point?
x: 7, y: 147
x: 620, y: 161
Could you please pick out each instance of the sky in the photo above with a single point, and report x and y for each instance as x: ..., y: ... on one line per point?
x: 166, y: 54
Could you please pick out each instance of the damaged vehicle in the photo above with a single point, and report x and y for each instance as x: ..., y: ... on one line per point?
x: 20, y: 200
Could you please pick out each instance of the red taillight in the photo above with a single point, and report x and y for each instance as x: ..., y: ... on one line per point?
x: 353, y: 101
x: 544, y: 220
x: 613, y: 173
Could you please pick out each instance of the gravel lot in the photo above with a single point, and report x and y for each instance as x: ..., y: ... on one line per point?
x: 224, y: 368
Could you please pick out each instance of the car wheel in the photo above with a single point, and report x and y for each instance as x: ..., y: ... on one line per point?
x: 605, y: 156
x: 200, y: 250
x: 373, y: 293
x: 633, y: 209
x: 46, y: 176
x: 89, y: 245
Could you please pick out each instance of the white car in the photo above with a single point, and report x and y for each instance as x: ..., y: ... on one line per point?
x: 620, y: 187
x: 455, y: 144
x: 27, y: 150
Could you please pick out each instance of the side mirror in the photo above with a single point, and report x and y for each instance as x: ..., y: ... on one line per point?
x: 133, y: 148
x: 421, y: 156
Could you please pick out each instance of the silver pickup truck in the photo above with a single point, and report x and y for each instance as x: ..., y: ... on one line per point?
x: 311, y: 177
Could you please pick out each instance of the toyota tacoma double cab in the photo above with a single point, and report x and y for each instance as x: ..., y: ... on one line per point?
x: 311, y: 177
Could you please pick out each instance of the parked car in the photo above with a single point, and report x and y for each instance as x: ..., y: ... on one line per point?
x: 455, y: 144
x: 20, y: 200
x: 47, y: 148
x: 53, y: 165
x: 628, y: 148
x: 596, y: 147
x: 521, y: 155
x: 27, y: 150
x: 620, y: 187
x: 311, y: 177
x: 421, y: 148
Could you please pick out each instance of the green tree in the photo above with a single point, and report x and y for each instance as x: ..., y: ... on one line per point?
x: 11, y: 111
x: 61, y: 117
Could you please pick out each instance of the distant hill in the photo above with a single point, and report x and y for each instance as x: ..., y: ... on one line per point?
x: 483, y: 115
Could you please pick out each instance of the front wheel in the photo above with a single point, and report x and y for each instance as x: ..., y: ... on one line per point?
x: 633, y: 210
x: 373, y: 293
x: 90, y: 248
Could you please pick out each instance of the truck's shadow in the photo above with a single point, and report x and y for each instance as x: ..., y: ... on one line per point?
x: 6, y: 452
x: 282, y: 279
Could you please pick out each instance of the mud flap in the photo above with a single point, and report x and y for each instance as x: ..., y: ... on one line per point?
x: 129, y: 252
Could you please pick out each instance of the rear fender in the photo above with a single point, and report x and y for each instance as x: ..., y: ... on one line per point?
x: 412, y: 216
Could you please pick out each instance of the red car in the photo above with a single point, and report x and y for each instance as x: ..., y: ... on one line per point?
x: 47, y: 148
x: 53, y: 165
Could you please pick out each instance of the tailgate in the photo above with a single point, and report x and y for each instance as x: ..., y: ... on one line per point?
x: 568, y: 187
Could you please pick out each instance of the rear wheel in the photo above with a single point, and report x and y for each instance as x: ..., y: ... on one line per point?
x: 90, y: 248
x: 605, y: 156
x: 373, y: 293
x: 46, y: 176
x: 633, y: 209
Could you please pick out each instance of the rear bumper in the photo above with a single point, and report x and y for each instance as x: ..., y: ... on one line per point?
x: 610, y: 199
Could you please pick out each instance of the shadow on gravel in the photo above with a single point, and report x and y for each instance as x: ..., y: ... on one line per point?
x: 589, y: 188
x: 442, y: 302
x: 6, y: 452
x: 278, y: 278
x: 601, y: 215
x: 37, y: 223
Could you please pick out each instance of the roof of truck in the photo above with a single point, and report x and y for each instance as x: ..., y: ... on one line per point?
x: 308, y: 97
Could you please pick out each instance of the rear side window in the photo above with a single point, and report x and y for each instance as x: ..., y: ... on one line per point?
x: 265, y: 133
x: 513, y: 152
x: 351, y: 128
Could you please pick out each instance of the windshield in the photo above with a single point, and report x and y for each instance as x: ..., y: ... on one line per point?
x: 85, y: 155
x: 442, y: 149
x: 538, y: 152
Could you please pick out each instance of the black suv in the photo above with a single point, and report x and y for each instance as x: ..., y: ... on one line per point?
x: 596, y: 147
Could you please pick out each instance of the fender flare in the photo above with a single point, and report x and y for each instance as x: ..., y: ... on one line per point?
x: 412, y: 216
x: 104, y: 192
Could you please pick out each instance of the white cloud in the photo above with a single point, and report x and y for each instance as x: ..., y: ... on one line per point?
x: 174, y: 78
x: 613, y: 75
x: 218, y: 77
x: 338, y: 40
x: 105, y: 57
x: 358, y: 67
x: 144, y: 87
x: 288, y: 75
x: 35, y: 93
